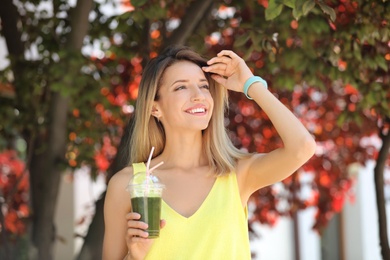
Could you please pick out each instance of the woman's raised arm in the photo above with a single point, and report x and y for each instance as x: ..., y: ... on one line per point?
x: 298, y: 145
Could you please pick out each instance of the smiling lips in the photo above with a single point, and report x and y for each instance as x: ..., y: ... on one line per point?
x: 196, y: 111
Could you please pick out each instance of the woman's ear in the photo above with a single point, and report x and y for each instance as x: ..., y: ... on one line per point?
x: 155, y: 112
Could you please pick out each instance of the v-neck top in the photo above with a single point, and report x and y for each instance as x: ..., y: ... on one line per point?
x: 217, y: 230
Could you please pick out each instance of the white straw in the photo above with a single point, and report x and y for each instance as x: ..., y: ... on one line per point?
x: 148, y: 162
x: 150, y: 171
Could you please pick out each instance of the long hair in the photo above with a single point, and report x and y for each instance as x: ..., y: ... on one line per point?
x: 148, y: 132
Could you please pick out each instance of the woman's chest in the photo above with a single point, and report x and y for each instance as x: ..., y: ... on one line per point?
x: 186, y: 193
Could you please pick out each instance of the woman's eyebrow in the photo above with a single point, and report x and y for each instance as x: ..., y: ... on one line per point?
x: 186, y: 80
x: 179, y: 81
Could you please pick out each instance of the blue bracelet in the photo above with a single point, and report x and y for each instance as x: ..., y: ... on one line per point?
x: 249, y: 83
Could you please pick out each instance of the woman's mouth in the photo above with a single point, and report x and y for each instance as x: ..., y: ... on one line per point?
x: 199, y: 110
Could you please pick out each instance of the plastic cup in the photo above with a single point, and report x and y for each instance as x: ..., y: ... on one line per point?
x: 145, y: 193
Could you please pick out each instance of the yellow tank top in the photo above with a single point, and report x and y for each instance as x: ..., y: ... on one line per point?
x: 217, y: 230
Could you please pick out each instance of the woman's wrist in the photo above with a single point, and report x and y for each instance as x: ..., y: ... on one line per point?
x: 250, y: 81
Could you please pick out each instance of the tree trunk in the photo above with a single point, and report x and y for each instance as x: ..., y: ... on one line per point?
x: 48, y: 158
x: 45, y: 172
x: 380, y: 194
x: 9, y: 19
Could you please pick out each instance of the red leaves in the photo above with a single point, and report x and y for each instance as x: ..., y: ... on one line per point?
x: 101, y: 161
x: 324, y: 179
x: 104, y: 156
x: 338, y: 202
x: 107, y: 120
x: 350, y: 90
x: 267, y: 133
x: 14, y: 184
x: 264, y: 3
x: 294, y: 24
x: 342, y: 65
x: 339, y: 144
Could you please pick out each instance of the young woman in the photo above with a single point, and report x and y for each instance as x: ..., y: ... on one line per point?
x: 180, y: 112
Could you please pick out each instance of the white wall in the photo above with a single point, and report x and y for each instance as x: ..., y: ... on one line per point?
x: 310, y: 241
x: 4, y: 62
x: 360, y: 219
x: 86, y: 192
x: 64, y: 220
x: 75, y: 209
x: 274, y: 243
x: 277, y: 242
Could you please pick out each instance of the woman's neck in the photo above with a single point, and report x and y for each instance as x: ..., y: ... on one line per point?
x: 183, y: 151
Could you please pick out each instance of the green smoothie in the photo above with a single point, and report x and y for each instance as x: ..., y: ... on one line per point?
x: 150, y: 209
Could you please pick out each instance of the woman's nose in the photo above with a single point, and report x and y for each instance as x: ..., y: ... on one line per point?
x: 197, y: 94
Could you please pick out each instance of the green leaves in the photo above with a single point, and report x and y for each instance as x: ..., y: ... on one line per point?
x: 289, y: 3
x: 299, y: 8
x: 328, y: 10
x: 274, y: 9
x: 308, y: 6
x: 241, y: 40
x: 138, y: 3
x: 380, y: 60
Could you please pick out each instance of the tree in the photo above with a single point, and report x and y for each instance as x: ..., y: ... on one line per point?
x: 46, y: 125
x: 313, y: 64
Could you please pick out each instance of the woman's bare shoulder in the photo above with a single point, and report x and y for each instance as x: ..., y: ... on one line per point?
x: 243, y: 165
x: 121, y: 178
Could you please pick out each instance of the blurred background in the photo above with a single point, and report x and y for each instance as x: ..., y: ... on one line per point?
x: 69, y: 75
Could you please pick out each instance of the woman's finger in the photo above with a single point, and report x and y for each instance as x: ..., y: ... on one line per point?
x: 221, y: 80
x: 228, y: 53
x: 133, y: 232
x: 133, y: 215
x: 162, y: 223
x: 218, y: 68
x: 222, y: 59
x: 137, y: 224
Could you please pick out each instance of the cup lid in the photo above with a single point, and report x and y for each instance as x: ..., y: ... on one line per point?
x: 141, y: 178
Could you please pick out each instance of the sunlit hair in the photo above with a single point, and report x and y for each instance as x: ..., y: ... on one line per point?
x: 147, y: 131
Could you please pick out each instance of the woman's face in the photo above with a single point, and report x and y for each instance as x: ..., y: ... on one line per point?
x: 184, y: 101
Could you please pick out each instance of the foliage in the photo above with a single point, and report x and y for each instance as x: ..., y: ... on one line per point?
x: 14, y: 188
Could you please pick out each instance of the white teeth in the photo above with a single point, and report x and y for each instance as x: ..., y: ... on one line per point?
x: 197, y: 110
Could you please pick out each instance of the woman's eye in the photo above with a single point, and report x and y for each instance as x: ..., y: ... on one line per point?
x: 205, y: 87
x: 180, y: 87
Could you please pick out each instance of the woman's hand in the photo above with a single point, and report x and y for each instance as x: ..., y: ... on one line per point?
x: 137, y: 240
x: 229, y: 69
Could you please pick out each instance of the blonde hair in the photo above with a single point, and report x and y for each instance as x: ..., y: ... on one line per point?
x: 147, y: 132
